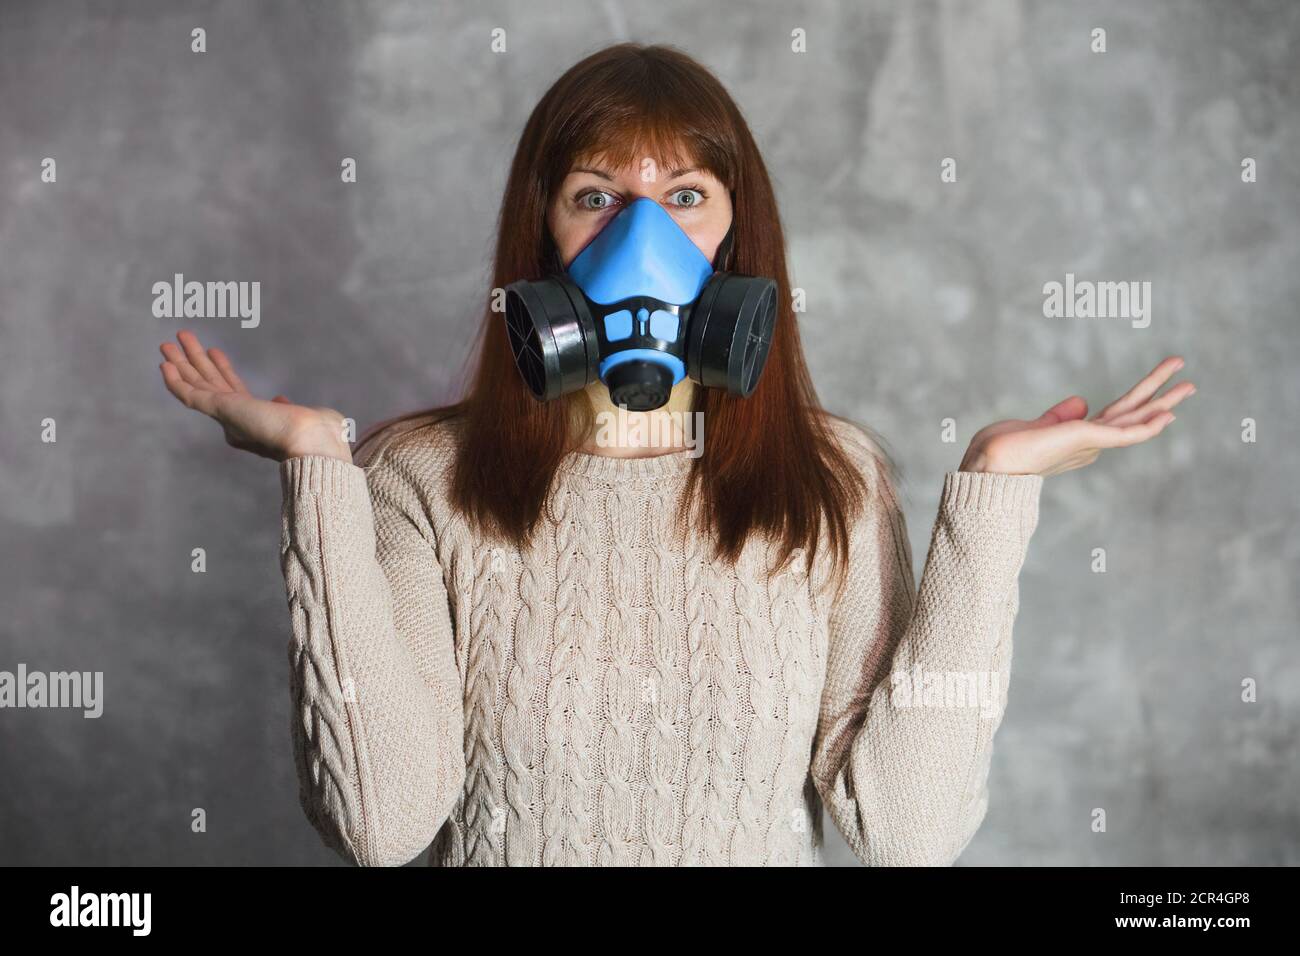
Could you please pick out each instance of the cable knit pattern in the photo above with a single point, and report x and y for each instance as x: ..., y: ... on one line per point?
x: 799, y: 681
x: 611, y: 695
x: 620, y: 738
x: 665, y: 746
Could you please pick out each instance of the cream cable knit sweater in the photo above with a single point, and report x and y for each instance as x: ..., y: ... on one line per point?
x: 607, y: 698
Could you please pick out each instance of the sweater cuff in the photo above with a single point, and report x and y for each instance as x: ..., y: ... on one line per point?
x: 992, y: 492
x: 321, y: 475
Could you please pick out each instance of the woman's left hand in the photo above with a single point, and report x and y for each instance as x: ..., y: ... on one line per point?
x: 1061, y: 439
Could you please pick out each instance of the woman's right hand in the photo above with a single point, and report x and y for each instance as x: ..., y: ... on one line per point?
x: 275, y: 429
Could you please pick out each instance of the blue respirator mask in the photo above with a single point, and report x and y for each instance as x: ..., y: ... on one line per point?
x: 641, y: 308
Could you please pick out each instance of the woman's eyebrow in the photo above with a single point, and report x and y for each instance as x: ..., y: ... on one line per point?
x: 672, y: 174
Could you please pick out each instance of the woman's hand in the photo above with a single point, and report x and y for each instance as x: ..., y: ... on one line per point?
x: 275, y: 429
x: 1061, y: 439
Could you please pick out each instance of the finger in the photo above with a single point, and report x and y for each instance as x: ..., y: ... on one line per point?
x: 1162, y: 404
x: 199, y: 359
x: 172, y: 379
x: 177, y: 359
x: 282, y: 400
x: 174, y: 354
x: 1143, y: 390
x: 222, y: 362
x: 1111, y: 436
x: 191, y: 397
x: 1068, y: 410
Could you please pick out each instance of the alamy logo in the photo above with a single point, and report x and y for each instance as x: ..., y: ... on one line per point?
x: 73, y: 689
x: 965, y: 690
x: 1098, y: 300
x: 624, y: 429
x: 208, y: 300
x: 102, y: 909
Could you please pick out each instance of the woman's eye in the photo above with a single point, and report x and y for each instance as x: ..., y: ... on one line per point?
x: 596, y: 200
x: 688, y: 197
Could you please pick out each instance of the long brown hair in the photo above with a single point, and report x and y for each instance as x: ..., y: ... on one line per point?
x: 771, y: 464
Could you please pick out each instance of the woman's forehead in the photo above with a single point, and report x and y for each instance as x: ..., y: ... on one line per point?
x: 646, y: 167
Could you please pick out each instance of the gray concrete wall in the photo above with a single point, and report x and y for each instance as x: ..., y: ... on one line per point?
x: 924, y: 303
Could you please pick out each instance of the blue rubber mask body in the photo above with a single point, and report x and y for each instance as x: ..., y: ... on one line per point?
x: 638, y: 273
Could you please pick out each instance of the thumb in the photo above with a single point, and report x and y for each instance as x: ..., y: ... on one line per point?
x: 1068, y: 410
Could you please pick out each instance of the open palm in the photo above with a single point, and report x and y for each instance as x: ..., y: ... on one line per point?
x: 1061, y: 438
x: 276, y: 428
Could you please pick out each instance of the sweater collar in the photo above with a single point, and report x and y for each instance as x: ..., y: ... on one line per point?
x: 608, y: 468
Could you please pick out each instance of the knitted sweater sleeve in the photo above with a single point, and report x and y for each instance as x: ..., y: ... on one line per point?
x: 916, y: 681
x: 375, y: 693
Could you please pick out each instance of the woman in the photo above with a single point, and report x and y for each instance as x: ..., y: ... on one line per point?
x: 527, y: 643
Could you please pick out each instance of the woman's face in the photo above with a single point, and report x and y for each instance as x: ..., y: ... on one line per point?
x: 592, y: 194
